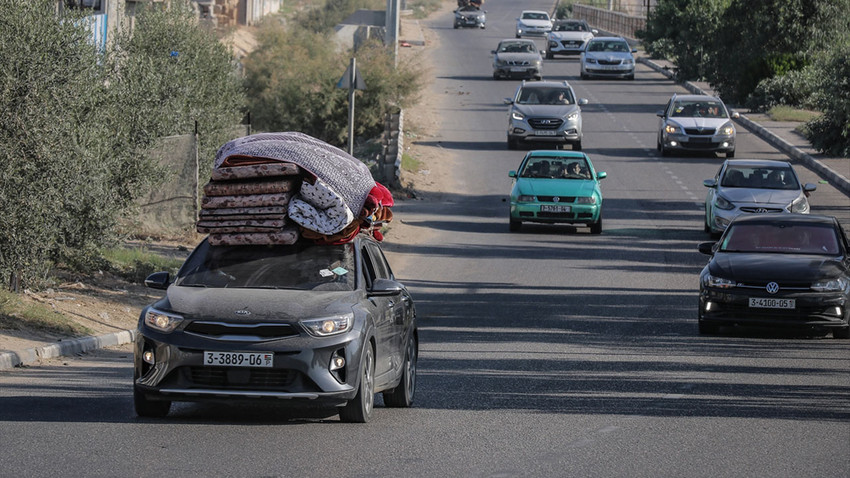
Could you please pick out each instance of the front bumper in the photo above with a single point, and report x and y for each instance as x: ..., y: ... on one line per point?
x: 516, y: 72
x: 717, y: 143
x: 609, y: 71
x: 577, y: 213
x: 300, y: 372
x: 469, y: 22
x: 565, y: 47
x: 812, y: 309
x: 531, y: 31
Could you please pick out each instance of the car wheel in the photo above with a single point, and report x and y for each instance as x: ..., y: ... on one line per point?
x: 402, y: 395
x: 549, y: 55
x: 630, y: 77
x: 706, y: 227
x: 596, y: 227
x: 730, y: 154
x: 843, y: 333
x: 538, y: 77
x: 583, y: 76
x: 149, y: 408
x: 359, y: 409
x: 495, y: 76
x: 707, y: 329
x: 658, y: 145
x: 519, y: 36
x: 577, y: 146
x: 455, y: 26
x: 514, y: 225
x: 512, y: 144
x: 664, y: 151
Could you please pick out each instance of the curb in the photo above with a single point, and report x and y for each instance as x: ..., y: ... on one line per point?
x: 836, y: 179
x: 9, y: 360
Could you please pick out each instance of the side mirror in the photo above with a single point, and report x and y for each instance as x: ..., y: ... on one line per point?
x: 492, y: 52
x: 659, y: 113
x: 707, y: 248
x: 158, y: 280
x: 735, y: 115
x: 582, y: 101
x: 634, y: 50
x: 511, y: 174
x: 809, y: 187
x: 384, y: 287
x: 594, y: 31
x: 508, y: 101
x: 709, y: 183
x: 601, y: 175
x: 454, y: 11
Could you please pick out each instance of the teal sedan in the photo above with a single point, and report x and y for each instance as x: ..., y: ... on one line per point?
x: 556, y: 187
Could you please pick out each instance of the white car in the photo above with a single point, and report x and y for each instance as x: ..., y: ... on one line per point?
x: 696, y: 123
x: 568, y: 37
x: 608, y: 57
x: 533, y: 22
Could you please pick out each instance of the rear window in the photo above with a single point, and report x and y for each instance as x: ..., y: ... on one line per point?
x: 301, y: 266
x: 781, y: 238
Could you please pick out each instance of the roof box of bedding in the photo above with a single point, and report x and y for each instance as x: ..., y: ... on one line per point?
x: 281, y: 188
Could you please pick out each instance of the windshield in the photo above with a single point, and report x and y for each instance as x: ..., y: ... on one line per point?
x: 570, y: 27
x: 556, y: 167
x: 699, y: 109
x: 781, y: 238
x: 546, y: 96
x: 535, y: 16
x: 301, y: 266
x: 760, y: 178
x: 615, y: 46
x: 517, y: 47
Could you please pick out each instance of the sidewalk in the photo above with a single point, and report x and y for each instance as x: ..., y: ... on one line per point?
x: 779, y: 134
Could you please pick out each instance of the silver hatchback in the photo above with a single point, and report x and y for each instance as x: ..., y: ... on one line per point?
x: 753, y: 186
x: 696, y: 123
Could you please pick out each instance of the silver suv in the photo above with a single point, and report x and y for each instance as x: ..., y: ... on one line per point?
x: 544, y: 112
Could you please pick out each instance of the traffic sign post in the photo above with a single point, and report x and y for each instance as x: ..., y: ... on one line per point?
x: 352, y: 80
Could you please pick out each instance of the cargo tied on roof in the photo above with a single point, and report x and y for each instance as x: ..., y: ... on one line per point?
x: 276, y: 188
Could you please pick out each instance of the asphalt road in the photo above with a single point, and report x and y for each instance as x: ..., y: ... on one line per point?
x: 547, y: 352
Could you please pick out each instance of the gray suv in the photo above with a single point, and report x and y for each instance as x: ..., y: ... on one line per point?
x: 545, y: 112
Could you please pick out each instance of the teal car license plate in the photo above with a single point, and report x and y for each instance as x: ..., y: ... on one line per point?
x: 550, y: 208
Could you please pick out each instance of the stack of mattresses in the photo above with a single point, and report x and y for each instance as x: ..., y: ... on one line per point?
x: 274, y: 188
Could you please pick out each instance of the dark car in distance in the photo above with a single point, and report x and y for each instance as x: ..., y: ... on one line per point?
x: 319, y: 325
x: 780, y: 271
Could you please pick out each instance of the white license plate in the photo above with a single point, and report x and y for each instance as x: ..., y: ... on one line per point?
x: 765, y: 303
x: 239, y: 359
x: 548, y: 208
x: 518, y: 68
x: 545, y: 133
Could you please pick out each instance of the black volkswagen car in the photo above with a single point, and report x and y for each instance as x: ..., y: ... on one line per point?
x: 324, y: 325
x: 769, y: 270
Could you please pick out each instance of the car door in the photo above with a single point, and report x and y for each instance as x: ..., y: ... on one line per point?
x: 382, y: 310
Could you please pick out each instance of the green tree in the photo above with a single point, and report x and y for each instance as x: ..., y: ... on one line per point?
x: 830, y: 132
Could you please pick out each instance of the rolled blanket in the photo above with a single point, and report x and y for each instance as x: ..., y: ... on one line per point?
x: 255, y: 186
x: 268, y: 168
x: 266, y: 212
x: 287, y: 236
x: 253, y: 200
x: 319, y: 208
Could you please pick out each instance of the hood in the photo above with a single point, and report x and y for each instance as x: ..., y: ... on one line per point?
x: 570, y: 35
x: 781, y: 197
x: 471, y: 14
x: 700, y: 122
x: 746, y: 267
x: 556, y: 187
x: 263, y: 304
x: 530, y: 57
x: 552, y: 111
x: 536, y: 23
x: 608, y: 55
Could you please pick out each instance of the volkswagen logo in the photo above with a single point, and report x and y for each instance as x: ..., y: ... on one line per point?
x: 556, y: 199
x: 772, y: 287
x: 242, y: 312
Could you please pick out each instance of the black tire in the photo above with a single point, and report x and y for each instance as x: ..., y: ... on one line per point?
x: 149, y: 408
x: 630, y: 77
x: 664, y: 151
x: 706, y: 228
x: 577, y: 146
x: 843, y: 333
x: 596, y: 227
x: 549, y: 55
x: 512, y: 144
x: 583, y: 76
x: 514, y: 225
x: 658, y: 145
x: 730, y: 154
x: 402, y: 395
x: 359, y: 409
x: 455, y: 26
x: 707, y: 329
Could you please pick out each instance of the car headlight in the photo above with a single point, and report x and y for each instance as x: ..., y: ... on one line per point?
x: 586, y: 200
x: 590, y: 60
x: 721, y: 202
x: 517, y: 115
x: 831, y: 285
x: 162, y: 321
x: 628, y: 61
x: 800, y: 205
x: 672, y: 129
x: 718, y: 282
x: 501, y: 62
x: 328, y: 326
x: 538, y: 63
x: 727, y: 129
x: 572, y: 116
x: 525, y: 198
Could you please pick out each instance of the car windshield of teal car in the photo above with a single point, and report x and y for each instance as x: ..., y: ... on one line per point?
x: 556, y: 168
x: 780, y: 238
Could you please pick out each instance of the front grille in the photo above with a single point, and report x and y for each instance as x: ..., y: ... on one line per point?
x: 701, y: 145
x: 556, y: 215
x: 236, y: 377
x: 700, y: 131
x: 571, y: 43
x: 783, y: 286
x: 545, y: 123
x: 609, y: 62
x: 757, y: 209
x: 226, y: 330
x: 518, y: 62
x: 561, y: 199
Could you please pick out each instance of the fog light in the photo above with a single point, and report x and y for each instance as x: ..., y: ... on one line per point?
x: 725, y: 144
x: 838, y: 311
x: 708, y: 306
x: 674, y: 143
x: 337, y: 360
x: 148, y: 357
